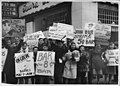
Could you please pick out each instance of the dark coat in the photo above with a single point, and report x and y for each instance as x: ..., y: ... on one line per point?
x: 59, y: 53
x: 9, y: 67
x: 83, y: 64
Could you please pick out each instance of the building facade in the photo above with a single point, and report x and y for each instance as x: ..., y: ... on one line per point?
x: 98, y: 12
x: 41, y: 15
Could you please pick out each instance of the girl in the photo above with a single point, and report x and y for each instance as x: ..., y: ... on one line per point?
x: 97, y: 62
x: 82, y: 66
x: 109, y: 70
x: 43, y: 79
x: 40, y: 43
x: 24, y: 49
x: 70, y: 68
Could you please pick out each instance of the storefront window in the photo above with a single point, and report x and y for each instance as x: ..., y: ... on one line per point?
x: 61, y: 18
x: 108, y: 13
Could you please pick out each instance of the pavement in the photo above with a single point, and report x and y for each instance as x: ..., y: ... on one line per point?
x: 94, y: 81
x: 102, y: 81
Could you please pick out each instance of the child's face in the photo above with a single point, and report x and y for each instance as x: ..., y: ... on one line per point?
x: 46, y: 40
x: 73, y: 46
x: 98, y: 46
x: 111, y: 46
x: 17, y: 40
x: 9, y: 42
x: 41, y: 41
x: 82, y: 48
x: 60, y: 44
x: 24, y: 46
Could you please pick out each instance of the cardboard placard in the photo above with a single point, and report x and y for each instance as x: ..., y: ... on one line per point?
x: 45, y: 63
x: 4, y: 55
x: 103, y: 31
x: 84, y: 37
x: 24, y: 64
x: 112, y: 57
x: 68, y: 28
x: 55, y: 34
x: 32, y: 39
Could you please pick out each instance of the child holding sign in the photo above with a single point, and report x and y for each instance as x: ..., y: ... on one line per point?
x: 109, y: 70
x: 97, y: 62
x: 43, y: 79
x: 24, y: 49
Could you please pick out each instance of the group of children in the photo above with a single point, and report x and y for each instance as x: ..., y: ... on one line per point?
x: 73, y: 65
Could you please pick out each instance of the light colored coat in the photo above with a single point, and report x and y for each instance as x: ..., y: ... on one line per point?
x: 70, y: 68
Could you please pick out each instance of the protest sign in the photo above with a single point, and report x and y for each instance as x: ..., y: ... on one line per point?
x: 12, y: 26
x: 103, y: 31
x: 102, y: 41
x: 32, y: 39
x: 90, y: 26
x: 34, y: 36
x: 46, y: 33
x: 52, y: 28
x: 84, y: 37
x: 68, y: 28
x: 24, y: 64
x: 112, y: 57
x: 58, y: 35
x: 45, y: 63
x: 4, y: 55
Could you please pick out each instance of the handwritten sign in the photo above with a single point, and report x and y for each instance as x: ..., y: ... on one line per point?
x: 90, y: 26
x: 112, y: 57
x: 103, y: 31
x: 46, y: 33
x: 84, y: 37
x: 34, y: 36
x: 24, y: 64
x: 55, y: 34
x: 32, y: 39
x: 4, y: 55
x: 45, y: 63
x: 68, y: 28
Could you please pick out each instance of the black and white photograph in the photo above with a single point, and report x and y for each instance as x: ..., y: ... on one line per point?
x: 60, y: 42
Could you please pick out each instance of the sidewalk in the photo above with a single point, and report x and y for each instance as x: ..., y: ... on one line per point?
x: 94, y: 81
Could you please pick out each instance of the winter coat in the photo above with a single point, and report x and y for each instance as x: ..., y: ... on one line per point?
x: 83, y: 64
x: 70, y: 68
x: 9, y: 67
